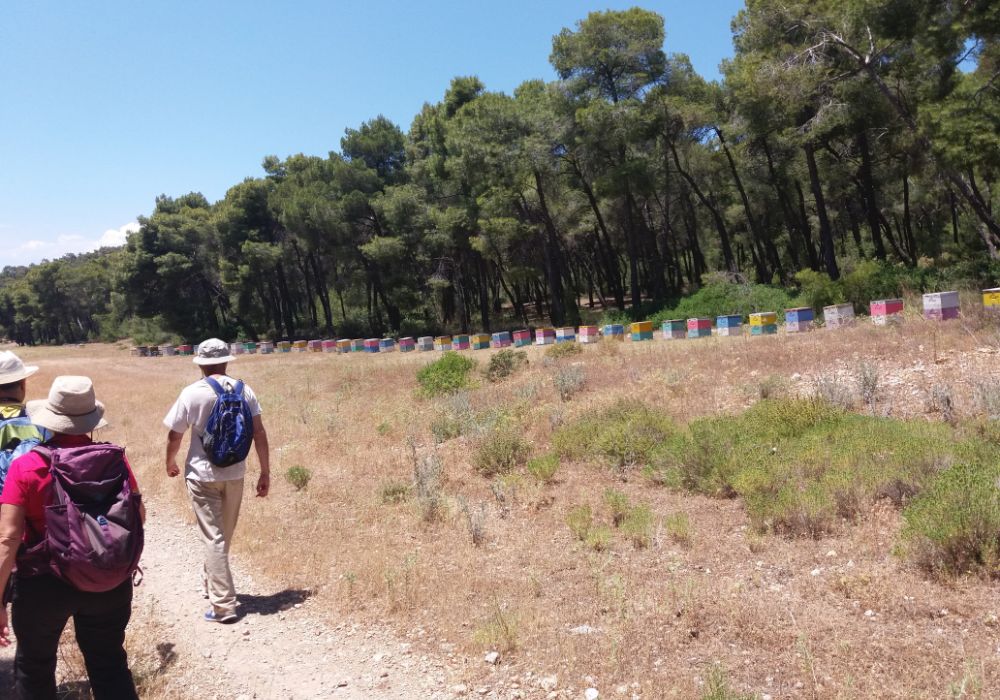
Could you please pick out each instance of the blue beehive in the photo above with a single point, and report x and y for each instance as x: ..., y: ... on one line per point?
x: 615, y: 331
x: 729, y: 325
x: 799, y: 320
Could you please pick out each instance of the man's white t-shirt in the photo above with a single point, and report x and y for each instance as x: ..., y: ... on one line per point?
x: 192, y: 410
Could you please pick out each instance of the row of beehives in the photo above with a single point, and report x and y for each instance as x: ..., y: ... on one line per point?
x: 937, y: 306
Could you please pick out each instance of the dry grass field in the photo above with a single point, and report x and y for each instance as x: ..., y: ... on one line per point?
x: 698, y: 604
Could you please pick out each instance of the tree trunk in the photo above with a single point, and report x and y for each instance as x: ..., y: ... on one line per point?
x: 825, y: 231
x: 720, y: 224
x: 552, y: 258
x: 763, y: 273
x: 868, y: 192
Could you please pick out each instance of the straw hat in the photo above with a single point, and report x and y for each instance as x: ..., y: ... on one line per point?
x: 213, y: 352
x: 71, y: 407
x: 12, y: 369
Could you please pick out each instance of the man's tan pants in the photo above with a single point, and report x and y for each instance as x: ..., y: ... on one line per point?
x: 216, y: 507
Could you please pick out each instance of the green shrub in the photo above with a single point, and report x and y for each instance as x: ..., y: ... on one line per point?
x: 564, y: 349
x: 393, y: 492
x: 806, y: 484
x: 598, y: 538
x: 544, y: 468
x: 457, y: 416
x: 817, y: 290
x: 569, y: 381
x: 446, y: 375
x: 678, y: 528
x: 717, y: 687
x: 298, y: 477
x: 500, y: 451
x: 579, y: 520
x: 638, y: 526
x: 624, y: 435
x: 720, y: 296
x: 445, y: 426
x: 505, y: 363
x: 618, y: 504
x: 954, y: 525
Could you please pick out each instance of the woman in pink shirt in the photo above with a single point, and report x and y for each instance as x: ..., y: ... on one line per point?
x: 42, y: 603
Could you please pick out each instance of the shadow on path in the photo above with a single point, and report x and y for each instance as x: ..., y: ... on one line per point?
x: 273, y: 603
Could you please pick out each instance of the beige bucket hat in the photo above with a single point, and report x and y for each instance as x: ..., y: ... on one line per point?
x: 12, y: 369
x: 213, y: 352
x: 71, y: 407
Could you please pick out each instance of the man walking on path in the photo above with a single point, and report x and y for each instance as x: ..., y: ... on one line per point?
x: 215, y: 492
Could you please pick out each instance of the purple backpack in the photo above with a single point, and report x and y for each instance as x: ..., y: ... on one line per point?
x: 93, y: 527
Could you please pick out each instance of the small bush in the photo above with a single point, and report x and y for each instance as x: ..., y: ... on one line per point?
x: 298, y: 477
x: 579, y: 520
x: 717, y: 687
x: 569, y: 381
x: 987, y: 398
x: 544, y: 468
x: 500, y: 451
x: 475, y: 519
x: 598, y: 538
x: 939, y: 401
x: 834, y: 392
x: 500, y: 631
x: 427, y: 484
x: 458, y: 417
x: 505, y: 363
x: 773, y: 386
x: 678, y: 528
x: 393, y: 492
x: 446, y: 375
x: 504, y: 493
x: 868, y: 384
x: 618, y: 504
x: 561, y: 350
x: 954, y: 525
x: 445, y: 427
x: 638, y: 526
x: 624, y: 435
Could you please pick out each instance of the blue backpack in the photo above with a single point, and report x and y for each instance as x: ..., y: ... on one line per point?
x: 18, y: 436
x: 229, y: 432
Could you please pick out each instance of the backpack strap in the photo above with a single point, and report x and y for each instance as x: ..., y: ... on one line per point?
x: 238, y: 389
x: 49, y: 455
x: 215, y: 386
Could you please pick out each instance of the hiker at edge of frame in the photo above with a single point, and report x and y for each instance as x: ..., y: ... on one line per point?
x: 225, y: 419
x: 74, y: 558
x: 17, y: 433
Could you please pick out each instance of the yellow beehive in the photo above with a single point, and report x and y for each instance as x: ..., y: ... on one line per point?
x: 642, y: 327
x: 765, y: 318
x: 991, y: 297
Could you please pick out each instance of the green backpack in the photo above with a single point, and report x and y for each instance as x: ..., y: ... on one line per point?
x: 18, y: 435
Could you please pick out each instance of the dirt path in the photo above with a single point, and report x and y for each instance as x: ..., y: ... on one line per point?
x: 277, y: 650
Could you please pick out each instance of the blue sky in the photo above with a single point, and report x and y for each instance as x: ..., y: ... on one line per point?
x: 105, y: 105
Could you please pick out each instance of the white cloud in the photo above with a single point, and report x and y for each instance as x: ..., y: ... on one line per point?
x: 118, y: 236
x: 29, y: 246
x: 34, y: 250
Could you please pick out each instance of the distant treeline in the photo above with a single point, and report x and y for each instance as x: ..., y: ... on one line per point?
x: 842, y: 134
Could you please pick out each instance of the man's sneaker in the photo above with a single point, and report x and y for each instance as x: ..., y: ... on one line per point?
x: 227, y: 619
